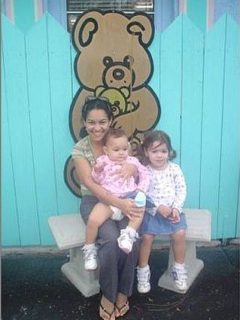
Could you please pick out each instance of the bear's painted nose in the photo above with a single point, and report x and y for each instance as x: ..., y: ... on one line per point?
x: 118, y: 74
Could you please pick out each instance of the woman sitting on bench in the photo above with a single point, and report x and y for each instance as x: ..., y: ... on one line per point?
x: 117, y: 268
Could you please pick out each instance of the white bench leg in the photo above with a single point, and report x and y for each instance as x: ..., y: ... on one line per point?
x: 194, y: 266
x: 85, y: 281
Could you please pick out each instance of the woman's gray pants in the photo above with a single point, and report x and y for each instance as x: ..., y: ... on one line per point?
x: 117, y: 269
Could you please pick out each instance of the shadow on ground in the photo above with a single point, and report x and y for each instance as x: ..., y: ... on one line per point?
x: 33, y: 287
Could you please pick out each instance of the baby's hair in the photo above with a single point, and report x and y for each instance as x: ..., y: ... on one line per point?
x: 115, y: 133
x: 160, y: 136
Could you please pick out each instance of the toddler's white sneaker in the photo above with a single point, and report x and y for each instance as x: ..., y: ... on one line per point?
x: 125, y: 241
x: 143, y: 279
x: 180, y: 277
x: 90, y: 257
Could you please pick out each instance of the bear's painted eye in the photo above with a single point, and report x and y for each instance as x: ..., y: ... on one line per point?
x: 128, y: 61
x: 107, y: 61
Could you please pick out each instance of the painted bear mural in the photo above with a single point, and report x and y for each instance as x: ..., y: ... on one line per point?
x: 113, y: 61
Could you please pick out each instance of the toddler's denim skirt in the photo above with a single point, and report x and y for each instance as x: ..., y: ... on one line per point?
x: 158, y: 225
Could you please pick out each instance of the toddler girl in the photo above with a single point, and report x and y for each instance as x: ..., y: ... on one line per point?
x: 165, y: 199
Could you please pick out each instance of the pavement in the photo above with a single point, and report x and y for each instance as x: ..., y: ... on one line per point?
x: 33, y: 288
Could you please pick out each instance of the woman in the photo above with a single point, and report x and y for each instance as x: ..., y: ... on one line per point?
x: 116, y: 274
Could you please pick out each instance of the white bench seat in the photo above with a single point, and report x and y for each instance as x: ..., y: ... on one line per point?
x: 69, y: 233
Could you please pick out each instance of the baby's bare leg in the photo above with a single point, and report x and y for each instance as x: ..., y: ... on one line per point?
x: 135, y: 223
x: 100, y: 213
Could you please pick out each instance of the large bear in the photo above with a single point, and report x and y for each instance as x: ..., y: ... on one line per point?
x: 113, y: 61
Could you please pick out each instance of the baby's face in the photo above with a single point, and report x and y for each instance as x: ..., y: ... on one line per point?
x: 117, y: 149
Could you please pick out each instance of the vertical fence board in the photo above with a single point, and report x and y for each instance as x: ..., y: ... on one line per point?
x: 19, y: 130
x: 24, y: 13
x: 155, y: 53
x: 197, y: 11
x: 237, y: 234
x: 192, y: 84
x: 59, y: 48
x: 41, y: 124
x: 75, y: 83
x: 170, y: 79
x: 230, y: 148
x: 10, y: 228
x: 212, y: 120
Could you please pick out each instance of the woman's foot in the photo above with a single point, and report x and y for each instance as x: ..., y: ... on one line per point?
x: 121, y: 306
x: 106, y: 309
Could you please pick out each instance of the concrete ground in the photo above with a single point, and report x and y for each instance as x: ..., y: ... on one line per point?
x: 33, y: 287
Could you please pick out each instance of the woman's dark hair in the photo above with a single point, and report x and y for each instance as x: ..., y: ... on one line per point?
x: 92, y: 103
x: 100, y: 103
x: 160, y: 136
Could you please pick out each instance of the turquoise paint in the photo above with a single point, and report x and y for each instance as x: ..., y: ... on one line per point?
x: 230, y: 144
x: 154, y: 49
x: 24, y: 14
x: 20, y: 132
x: 197, y: 11
x: 59, y: 48
x: 75, y: 83
x: 238, y: 210
x: 9, y: 225
x: 170, y: 78
x: 212, y: 120
x: 41, y: 123
x: 57, y: 9
x: 192, y: 87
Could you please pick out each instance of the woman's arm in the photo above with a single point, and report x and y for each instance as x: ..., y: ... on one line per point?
x: 127, y: 206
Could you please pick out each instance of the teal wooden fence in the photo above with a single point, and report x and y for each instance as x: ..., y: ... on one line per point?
x: 197, y: 78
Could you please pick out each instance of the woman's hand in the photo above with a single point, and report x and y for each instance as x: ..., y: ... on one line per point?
x: 130, y: 210
x: 127, y: 171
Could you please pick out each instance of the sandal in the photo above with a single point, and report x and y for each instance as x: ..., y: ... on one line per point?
x: 104, y: 314
x: 121, y: 311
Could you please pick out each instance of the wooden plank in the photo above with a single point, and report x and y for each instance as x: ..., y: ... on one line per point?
x: 237, y: 234
x: 59, y: 48
x: 165, y: 13
x: 75, y: 83
x: 20, y: 132
x: 10, y: 230
x: 58, y: 10
x: 212, y: 121
x: 192, y: 87
x: 170, y: 79
x: 231, y: 7
x: 230, y: 146
x: 24, y: 14
x: 155, y: 53
x: 197, y: 12
x: 41, y: 124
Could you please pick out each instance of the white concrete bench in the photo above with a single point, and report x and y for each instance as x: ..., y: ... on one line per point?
x: 69, y: 233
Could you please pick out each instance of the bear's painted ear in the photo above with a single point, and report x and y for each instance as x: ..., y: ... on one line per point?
x: 141, y: 26
x: 85, y: 28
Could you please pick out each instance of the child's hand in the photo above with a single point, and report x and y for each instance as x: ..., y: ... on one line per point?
x: 98, y: 167
x: 126, y: 171
x: 175, y: 217
x: 129, y: 209
x: 164, y: 211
